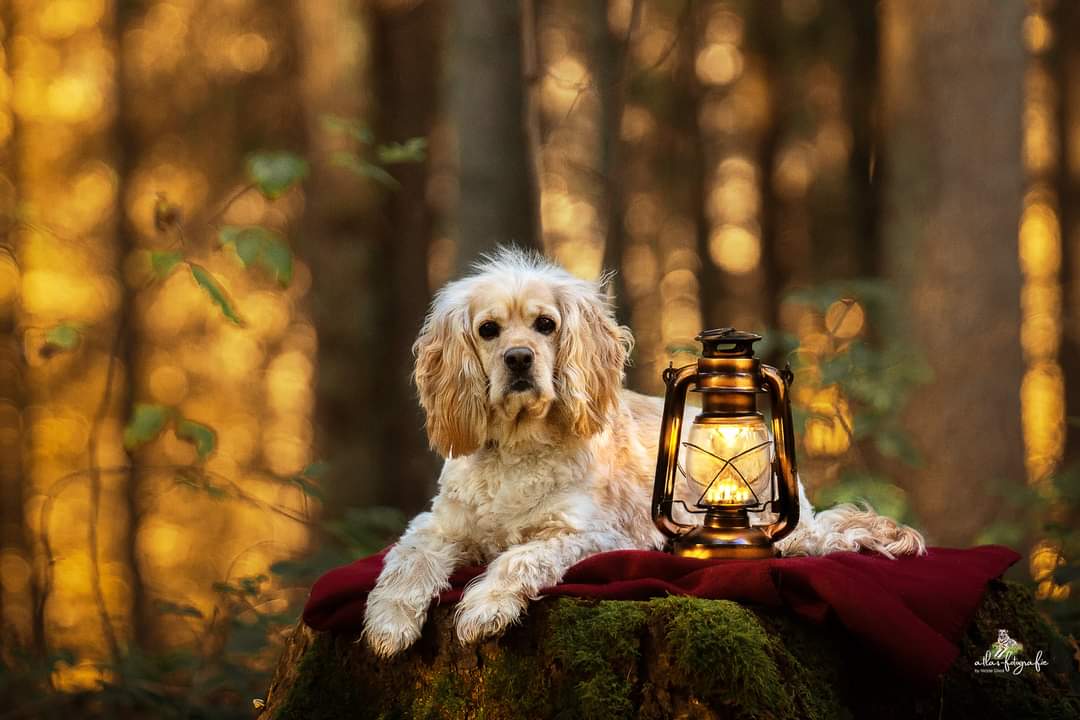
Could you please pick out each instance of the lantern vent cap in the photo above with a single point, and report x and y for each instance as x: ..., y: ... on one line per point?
x: 727, y: 343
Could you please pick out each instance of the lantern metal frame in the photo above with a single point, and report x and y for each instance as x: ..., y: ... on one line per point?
x: 729, y: 377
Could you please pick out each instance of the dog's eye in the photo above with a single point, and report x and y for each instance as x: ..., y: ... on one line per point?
x: 489, y: 330
x: 544, y: 325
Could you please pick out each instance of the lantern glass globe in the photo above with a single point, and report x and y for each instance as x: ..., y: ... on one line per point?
x: 729, y: 461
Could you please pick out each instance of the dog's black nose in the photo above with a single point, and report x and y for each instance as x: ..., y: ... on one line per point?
x: 518, y: 359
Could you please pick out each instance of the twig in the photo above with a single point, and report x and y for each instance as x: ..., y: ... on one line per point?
x: 93, y: 443
x: 853, y: 445
x: 848, y: 304
x: 55, y: 490
x: 212, y: 220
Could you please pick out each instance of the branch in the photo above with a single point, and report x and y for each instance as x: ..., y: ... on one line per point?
x: 93, y: 443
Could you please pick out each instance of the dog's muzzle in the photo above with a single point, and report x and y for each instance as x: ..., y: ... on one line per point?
x: 519, y: 361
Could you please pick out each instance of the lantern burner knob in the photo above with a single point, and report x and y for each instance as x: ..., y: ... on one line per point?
x: 727, y: 343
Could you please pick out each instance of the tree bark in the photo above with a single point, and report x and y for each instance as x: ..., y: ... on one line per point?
x: 1067, y: 59
x: 952, y: 79
x: 15, y: 603
x: 409, y: 84
x: 341, y: 249
x: 496, y: 198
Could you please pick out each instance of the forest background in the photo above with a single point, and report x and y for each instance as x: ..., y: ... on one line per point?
x: 221, y: 222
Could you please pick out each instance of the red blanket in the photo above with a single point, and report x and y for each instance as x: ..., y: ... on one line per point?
x: 912, y: 610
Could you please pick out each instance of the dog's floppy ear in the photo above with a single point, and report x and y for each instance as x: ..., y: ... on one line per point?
x: 450, y: 379
x: 592, y: 353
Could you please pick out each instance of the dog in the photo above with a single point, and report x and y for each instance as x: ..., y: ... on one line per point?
x: 548, y: 459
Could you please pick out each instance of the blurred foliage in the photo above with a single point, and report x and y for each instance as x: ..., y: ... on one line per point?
x: 854, y: 372
x: 370, y: 161
x: 226, y: 664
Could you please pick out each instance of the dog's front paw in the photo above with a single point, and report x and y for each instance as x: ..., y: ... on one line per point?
x: 390, y: 627
x: 482, y: 614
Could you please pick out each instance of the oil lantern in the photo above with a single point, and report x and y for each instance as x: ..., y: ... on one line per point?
x: 731, y: 462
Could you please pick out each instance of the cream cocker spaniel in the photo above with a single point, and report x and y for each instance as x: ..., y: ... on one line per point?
x: 548, y: 458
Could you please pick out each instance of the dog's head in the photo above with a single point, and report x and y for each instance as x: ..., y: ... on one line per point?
x: 518, y: 344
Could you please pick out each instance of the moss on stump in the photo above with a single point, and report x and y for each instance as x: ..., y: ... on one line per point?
x: 670, y: 657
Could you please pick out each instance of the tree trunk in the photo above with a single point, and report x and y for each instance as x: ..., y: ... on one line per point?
x: 610, y: 57
x: 496, y: 196
x: 341, y: 249
x: 142, y: 617
x: 1067, y: 58
x: 15, y: 601
x: 408, y: 94
x: 952, y: 78
x: 616, y: 659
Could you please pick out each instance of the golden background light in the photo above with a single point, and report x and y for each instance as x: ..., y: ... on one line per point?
x: 729, y: 160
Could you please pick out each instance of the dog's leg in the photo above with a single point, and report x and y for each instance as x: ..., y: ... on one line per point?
x: 415, y: 570
x: 849, y: 528
x: 498, y: 598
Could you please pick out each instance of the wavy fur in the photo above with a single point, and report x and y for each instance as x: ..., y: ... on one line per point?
x: 545, y: 469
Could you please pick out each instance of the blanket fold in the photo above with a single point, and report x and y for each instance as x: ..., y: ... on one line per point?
x: 912, y: 610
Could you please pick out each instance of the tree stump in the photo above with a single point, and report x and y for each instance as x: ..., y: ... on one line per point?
x: 671, y: 657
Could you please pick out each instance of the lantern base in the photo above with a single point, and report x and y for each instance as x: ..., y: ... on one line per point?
x: 724, y: 542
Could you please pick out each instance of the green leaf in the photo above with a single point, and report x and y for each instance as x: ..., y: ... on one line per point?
x: 411, y: 151
x: 304, y: 570
x: 256, y: 245
x: 60, y: 338
x: 162, y: 262
x: 309, y: 488
x: 275, y: 172
x: 201, y: 436
x: 315, y: 470
x: 216, y: 292
x: 361, y: 167
x: 338, y: 124
x: 308, y: 478
x: 247, y: 241
x: 146, y: 423
x: 277, y: 260
x: 215, y: 492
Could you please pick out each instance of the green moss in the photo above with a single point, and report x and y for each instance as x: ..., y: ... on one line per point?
x: 598, y: 645
x: 513, y: 685
x: 809, y: 664
x: 447, y: 697
x: 675, y: 657
x: 322, y: 673
x: 724, y: 652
